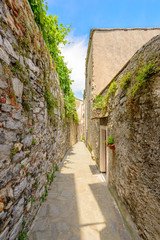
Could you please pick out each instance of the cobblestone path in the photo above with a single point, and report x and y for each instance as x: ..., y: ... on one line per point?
x: 79, y: 205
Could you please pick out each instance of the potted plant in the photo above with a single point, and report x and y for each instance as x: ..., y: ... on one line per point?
x: 110, y: 143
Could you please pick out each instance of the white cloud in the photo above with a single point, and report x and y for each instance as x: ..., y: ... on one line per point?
x: 75, y: 54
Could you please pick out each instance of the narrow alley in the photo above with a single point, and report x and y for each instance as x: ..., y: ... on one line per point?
x: 78, y: 206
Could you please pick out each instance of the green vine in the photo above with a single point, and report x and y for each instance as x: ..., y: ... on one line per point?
x: 125, y: 80
x: 54, y: 34
x: 142, y: 76
x: 102, y: 102
x: 132, y: 82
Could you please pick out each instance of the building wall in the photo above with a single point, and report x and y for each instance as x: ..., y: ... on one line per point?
x: 108, y: 51
x: 31, y: 142
x: 112, y: 49
x: 91, y: 128
x: 80, y: 112
x: 134, y: 165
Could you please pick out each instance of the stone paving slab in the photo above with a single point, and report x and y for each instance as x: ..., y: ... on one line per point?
x: 79, y: 205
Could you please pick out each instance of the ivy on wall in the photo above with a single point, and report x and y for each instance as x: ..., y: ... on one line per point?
x: 132, y: 83
x: 54, y: 34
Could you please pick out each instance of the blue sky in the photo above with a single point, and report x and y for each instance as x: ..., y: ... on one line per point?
x: 83, y: 15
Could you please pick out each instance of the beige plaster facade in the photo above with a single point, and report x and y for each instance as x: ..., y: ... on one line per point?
x: 112, y: 48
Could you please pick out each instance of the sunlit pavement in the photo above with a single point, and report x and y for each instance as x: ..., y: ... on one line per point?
x: 79, y: 205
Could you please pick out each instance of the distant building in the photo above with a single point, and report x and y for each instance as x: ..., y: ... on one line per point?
x: 80, y: 112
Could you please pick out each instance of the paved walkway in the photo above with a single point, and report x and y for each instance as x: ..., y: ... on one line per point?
x: 79, y: 206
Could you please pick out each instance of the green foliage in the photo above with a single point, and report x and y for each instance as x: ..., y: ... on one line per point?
x: 36, y: 185
x: 142, y: 76
x: 20, y: 71
x: 43, y: 197
x: 101, y: 102
x: 27, y: 106
x: 70, y: 106
x: 22, y: 165
x: 125, y: 80
x: 111, y: 91
x: 24, y: 222
x: 50, y: 177
x: 98, y: 102
x: 54, y: 34
x: 32, y: 200
x: 23, y: 235
x: 110, y: 140
x: 13, y: 152
x: 56, y: 168
x: 31, y: 130
x: 51, y: 102
x: 34, y: 141
x: 46, y: 191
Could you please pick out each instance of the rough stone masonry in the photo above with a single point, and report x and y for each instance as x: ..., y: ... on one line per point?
x: 31, y: 142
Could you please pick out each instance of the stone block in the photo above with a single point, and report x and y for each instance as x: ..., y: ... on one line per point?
x: 36, y: 110
x: 4, y: 56
x: 17, y: 87
x: 27, y: 141
x: 14, y: 125
x: 3, y: 193
x: 20, y: 188
x: 1, y: 206
x: 1, y: 41
x: 17, y: 115
x: 10, y: 136
x: 18, y: 157
x: 10, y: 49
x: 2, y: 138
x: 10, y: 192
x: 4, y: 152
x: 123, y: 100
x: 41, y: 104
x: 40, y: 118
x: 4, y: 116
x: 18, y: 146
x: 21, y: 60
x: 5, y: 177
x: 18, y: 210
x: 28, y: 206
x: 8, y: 207
x: 3, y: 84
x: 6, y: 108
x: 31, y: 65
x: 3, y: 235
x: 16, y: 170
x: 17, y: 228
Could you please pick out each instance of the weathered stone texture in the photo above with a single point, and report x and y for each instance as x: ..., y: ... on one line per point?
x: 31, y: 145
x: 134, y: 165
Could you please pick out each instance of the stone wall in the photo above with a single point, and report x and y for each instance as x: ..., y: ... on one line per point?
x: 135, y: 125
x: 32, y: 140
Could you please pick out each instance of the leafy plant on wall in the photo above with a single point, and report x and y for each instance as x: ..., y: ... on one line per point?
x: 54, y: 34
